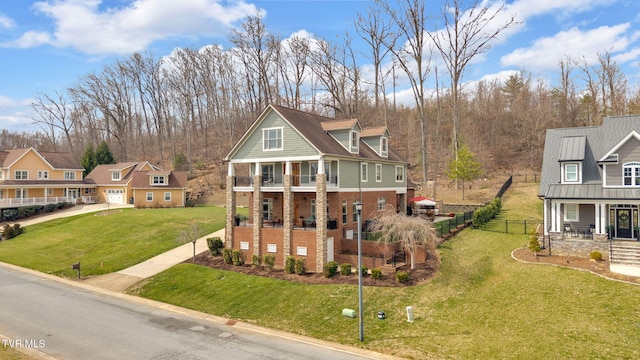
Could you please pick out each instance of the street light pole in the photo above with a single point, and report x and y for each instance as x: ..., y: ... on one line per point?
x: 359, y: 211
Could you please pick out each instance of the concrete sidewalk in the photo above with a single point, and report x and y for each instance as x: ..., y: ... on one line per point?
x: 123, y: 279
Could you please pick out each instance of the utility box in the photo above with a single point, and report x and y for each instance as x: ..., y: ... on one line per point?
x: 350, y: 313
x: 409, y: 314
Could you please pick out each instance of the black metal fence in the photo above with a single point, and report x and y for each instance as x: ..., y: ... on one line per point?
x: 445, y: 226
x: 511, y: 226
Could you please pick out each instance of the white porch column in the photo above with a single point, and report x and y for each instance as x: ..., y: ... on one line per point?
x: 231, y: 171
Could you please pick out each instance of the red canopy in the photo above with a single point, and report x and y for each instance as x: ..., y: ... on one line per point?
x: 419, y: 198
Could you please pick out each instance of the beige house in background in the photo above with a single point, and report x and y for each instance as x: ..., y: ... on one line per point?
x: 29, y: 177
x: 140, y: 184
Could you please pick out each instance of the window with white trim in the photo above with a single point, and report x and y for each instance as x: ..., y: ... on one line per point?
x: 159, y: 180
x: 272, y: 248
x: 571, y: 212
x: 364, y: 172
x: 43, y: 174
x: 267, y: 209
x: 21, y: 175
x: 167, y: 196
x: 115, y: 175
x: 69, y: 175
x: 272, y: 139
x: 354, y: 141
x: 384, y: 146
x: 244, y: 245
x: 571, y: 173
x: 355, y: 211
x: 313, y: 171
x: 149, y: 196
x: 399, y: 173
x: 381, y: 202
x: 301, y: 250
x: 21, y: 193
x: 344, y: 211
x: 631, y: 174
x: 50, y: 191
x: 378, y: 172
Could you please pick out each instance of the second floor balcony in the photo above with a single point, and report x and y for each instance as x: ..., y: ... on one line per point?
x: 277, y: 181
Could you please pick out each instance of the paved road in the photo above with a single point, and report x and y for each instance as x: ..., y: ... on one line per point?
x: 65, y: 321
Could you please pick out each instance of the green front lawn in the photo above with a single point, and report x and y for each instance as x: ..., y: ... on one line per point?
x: 106, y: 241
x: 482, y: 304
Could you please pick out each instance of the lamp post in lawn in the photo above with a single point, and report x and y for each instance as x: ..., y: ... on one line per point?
x: 358, y: 206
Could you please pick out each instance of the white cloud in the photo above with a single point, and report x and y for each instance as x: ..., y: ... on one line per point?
x: 6, y: 22
x: 85, y: 27
x: 545, y: 53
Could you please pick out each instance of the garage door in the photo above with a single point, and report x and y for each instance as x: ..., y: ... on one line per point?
x: 115, y: 196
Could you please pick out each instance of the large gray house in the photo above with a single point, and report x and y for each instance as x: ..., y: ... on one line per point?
x: 590, y: 185
x: 303, y: 175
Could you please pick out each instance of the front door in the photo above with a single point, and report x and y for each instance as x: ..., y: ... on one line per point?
x: 623, y: 223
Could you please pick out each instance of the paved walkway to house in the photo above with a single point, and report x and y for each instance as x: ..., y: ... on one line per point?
x: 123, y: 279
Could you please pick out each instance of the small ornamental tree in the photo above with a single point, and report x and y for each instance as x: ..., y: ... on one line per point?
x: 534, y: 244
x: 104, y: 154
x: 465, y: 167
x: 410, y: 231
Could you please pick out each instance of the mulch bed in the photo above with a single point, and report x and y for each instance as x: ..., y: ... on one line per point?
x: 422, y: 272
x: 597, y: 267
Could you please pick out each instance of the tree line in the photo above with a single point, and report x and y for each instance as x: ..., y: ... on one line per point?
x: 194, y: 104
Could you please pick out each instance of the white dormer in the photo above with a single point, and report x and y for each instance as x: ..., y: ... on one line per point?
x: 116, y: 175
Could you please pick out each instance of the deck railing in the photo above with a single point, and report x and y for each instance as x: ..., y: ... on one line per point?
x: 16, y: 202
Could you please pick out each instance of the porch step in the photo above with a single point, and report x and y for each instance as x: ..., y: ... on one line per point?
x: 625, y: 253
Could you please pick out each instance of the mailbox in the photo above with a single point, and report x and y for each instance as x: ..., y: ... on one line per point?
x: 76, y: 266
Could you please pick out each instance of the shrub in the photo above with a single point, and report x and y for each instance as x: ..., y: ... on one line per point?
x: 330, y: 269
x: 237, y: 257
x: 227, y: 255
x: 290, y: 265
x: 10, y: 214
x: 376, y: 273
x: 345, y: 269
x: 270, y: 261
x: 596, y: 255
x: 11, y: 231
x: 256, y: 261
x: 214, y: 244
x: 487, y: 212
x: 301, y: 266
x: 49, y: 208
x: 364, y: 270
x: 402, y: 277
x: 534, y: 244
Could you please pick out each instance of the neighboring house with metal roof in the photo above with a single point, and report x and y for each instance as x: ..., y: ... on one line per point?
x: 303, y: 174
x: 29, y: 177
x: 590, y: 185
x: 139, y: 183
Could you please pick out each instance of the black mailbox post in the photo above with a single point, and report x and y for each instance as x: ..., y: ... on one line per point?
x: 76, y: 266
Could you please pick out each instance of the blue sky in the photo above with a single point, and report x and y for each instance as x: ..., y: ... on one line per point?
x: 47, y: 45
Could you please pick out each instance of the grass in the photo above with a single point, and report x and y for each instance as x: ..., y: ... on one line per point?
x: 482, y: 304
x: 105, y: 242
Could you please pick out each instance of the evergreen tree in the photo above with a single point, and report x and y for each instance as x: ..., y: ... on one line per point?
x: 104, y: 155
x: 465, y: 167
x: 88, y: 160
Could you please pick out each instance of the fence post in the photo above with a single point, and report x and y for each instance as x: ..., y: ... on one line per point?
x: 506, y: 226
x: 525, y: 227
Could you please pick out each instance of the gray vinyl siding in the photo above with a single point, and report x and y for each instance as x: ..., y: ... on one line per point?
x: 374, y: 143
x: 342, y: 136
x: 628, y: 152
x: 293, y: 144
x: 349, y: 174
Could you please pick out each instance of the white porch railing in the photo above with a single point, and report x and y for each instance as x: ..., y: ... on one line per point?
x: 35, y: 201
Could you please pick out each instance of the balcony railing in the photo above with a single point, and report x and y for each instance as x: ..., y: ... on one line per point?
x: 297, y: 180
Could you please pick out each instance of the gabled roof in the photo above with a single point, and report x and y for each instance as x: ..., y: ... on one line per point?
x: 333, y: 125
x: 374, y: 132
x: 55, y: 160
x: 139, y: 177
x: 313, y: 129
x: 599, y: 144
x: 177, y: 179
x: 101, y: 174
